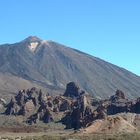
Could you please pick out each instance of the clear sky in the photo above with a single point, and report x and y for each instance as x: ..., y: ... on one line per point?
x: 109, y: 29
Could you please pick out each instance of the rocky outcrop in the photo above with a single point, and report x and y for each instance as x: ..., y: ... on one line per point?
x: 80, y: 115
x: 79, y: 109
x: 118, y: 96
x: 135, y: 108
x: 23, y: 102
x: 72, y: 90
x: 12, y: 108
x: 118, y: 103
x: 115, y: 108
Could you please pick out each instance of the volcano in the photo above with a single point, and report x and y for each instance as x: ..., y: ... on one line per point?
x: 50, y: 65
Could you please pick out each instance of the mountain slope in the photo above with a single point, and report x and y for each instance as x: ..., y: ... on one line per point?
x: 52, y: 66
x: 9, y: 85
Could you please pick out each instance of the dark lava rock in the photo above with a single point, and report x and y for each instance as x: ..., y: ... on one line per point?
x: 135, y: 108
x: 115, y: 108
x: 72, y: 90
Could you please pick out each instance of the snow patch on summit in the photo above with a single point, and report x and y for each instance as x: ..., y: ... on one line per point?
x: 33, y: 46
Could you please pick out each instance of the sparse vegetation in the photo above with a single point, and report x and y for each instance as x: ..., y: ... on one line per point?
x: 131, y: 136
x: 134, y: 136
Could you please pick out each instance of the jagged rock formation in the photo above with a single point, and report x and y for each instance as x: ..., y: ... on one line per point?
x: 80, y: 114
x: 72, y: 90
x: 118, y: 96
x: 100, y: 110
x: 79, y: 110
x: 23, y: 102
x: 118, y: 103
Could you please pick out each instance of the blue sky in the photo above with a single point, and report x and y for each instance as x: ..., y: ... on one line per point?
x: 109, y: 29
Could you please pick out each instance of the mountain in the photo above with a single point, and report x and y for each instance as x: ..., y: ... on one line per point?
x: 51, y: 66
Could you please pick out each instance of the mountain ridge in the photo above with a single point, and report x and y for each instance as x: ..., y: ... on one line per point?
x: 52, y: 65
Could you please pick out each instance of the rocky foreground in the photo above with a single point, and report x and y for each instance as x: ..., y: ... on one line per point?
x: 75, y: 109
